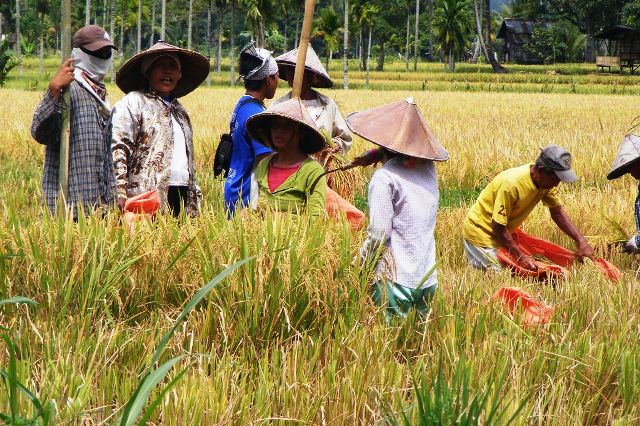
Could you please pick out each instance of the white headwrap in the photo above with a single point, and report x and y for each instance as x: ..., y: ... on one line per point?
x: 268, y: 67
x: 95, y: 68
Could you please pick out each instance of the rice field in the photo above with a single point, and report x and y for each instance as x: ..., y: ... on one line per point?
x: 292, y: 337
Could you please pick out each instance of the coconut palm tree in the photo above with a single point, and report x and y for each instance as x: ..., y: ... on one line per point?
x: 485, y: 39
x: 328, y: 27
x: 260, y: 14
x: 452, y: 24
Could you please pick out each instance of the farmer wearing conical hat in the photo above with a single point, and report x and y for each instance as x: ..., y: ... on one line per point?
x: 259, y: 72
x: 152, y: 140
x: 90, y: 173
x: 628, y: 161
x: 323, y: 110
x: 493, y: 221
x: 403, y: 202
x: 283, y: 180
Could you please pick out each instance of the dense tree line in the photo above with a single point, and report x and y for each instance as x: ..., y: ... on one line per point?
x: 444, y: 30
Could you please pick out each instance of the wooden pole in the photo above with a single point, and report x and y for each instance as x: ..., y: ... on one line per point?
x: 63, y: 166
x: 302, y: 49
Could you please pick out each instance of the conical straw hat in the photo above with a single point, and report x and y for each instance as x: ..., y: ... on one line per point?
x: 627, y: 157
x: 320, y: 78
x: 399, y: 127
x: 194, y: 69
x: 259, y: 125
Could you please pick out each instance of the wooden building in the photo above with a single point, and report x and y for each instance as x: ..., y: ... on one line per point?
x: 623, y: 47
x: 517, y: 33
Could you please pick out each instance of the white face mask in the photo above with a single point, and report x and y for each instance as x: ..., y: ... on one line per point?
x: 95, y: 68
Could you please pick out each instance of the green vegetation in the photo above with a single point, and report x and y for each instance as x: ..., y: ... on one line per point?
x: 559, y: 78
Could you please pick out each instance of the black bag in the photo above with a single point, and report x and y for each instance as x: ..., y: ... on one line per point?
x: 223, y: 156
x: 222, y: 159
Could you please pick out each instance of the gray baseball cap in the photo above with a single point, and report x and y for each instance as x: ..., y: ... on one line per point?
x: 558, y: 159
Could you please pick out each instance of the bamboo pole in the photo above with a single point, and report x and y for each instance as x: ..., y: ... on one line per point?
x: 302, y: 48
x: 63, y: 166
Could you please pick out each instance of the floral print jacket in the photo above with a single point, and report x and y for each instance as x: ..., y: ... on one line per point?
x: 142, y: 147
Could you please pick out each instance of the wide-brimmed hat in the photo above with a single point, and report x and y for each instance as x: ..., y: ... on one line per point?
x: 627, y: 157
x: 400, y: 128
x: 259, y: 125
x: 194, y: 69
x: 320, y: 78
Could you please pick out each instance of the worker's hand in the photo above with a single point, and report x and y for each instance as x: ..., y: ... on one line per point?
x: 631, y: 247
x: 120, y: 202
x: 367, y: 159
x: 336, y: 148
x: 62, y: 78
x: 584, y: 250
x: 527, y: 262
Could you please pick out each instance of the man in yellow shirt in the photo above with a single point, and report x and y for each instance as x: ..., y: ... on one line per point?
x: 507, y: 201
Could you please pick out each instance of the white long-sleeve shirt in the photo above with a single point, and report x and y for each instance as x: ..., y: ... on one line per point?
x: 403, y: 203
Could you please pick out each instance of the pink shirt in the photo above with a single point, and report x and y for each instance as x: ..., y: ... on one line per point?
x: 278, y: 174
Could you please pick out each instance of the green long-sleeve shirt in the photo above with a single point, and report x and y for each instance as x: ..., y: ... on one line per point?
x: 293, y: 195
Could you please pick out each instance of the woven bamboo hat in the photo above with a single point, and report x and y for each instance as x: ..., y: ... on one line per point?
x: 627, y: 157
x: 400, y: 128
x: 193, y: 66
x: 259, y: 125
x: 312, y: 64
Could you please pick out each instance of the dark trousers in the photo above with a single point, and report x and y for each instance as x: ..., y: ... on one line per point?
x: 177, y: 197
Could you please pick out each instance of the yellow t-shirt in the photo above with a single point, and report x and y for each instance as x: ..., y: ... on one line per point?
x: 507, y: 200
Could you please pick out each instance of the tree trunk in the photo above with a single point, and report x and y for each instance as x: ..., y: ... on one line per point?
x: 219, y: 35
x: 486, y: 22
x: 406, y: 47
x: 105, y: 14
x: 486, y: 49
x: 327, y: 61
x: 87, y: 13
x: 190, y: 25
x: 260, y: 33
x: 153, y: 23
x: 430, y: 33
x: 366, y: 81
x: 121, y: 47
x: 589, y: 47
x: 476, y: 51
x: 380, y: 64
x: 360, y: 49
x: 139, y: 40
x: 416, y: 42
x: 209, y: 42
x: 345, y: 48
x: 111, y: 32
x: 18, y: 48
x: 284, y: 35
x: 1, y: 22
x: 163, y: 22
x: 41, y: 56
x: 232, y: 40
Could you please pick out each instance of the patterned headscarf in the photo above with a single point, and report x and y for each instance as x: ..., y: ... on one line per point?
x: 264, y: 70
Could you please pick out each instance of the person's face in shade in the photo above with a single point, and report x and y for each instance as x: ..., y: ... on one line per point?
x: 164, y: 75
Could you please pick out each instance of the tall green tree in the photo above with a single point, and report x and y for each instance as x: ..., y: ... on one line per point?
x: 452, y: 24
x: 260, y: 14
x: 328, y: 27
